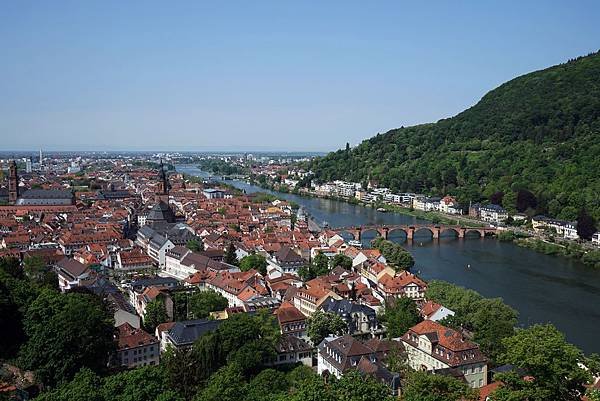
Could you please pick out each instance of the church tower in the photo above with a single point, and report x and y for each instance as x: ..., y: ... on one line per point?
x: 162, y: 192
x: 13, y: 183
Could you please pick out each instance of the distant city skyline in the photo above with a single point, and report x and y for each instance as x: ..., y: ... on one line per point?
x: 263, y: 76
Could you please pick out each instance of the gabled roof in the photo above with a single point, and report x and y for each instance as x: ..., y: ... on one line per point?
x: 72, y: 267
x: 286, y: 255
x: 186, y: 332
x: 161, y: 212
x: 289, y: 313
x: 130, y: 337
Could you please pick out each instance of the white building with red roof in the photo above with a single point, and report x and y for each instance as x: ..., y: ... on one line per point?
x: 431, y: 346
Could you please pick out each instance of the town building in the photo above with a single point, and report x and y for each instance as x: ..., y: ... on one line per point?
x: 183, y: 334
x: 291, y: 321
x: 493, y: 213
x: 285, y: 260
x: 359, y: 319
x: 71, y: 274
x: 431, y: 346
x: 135, y: 347
x: 337, y: 356
x: 434, y: 311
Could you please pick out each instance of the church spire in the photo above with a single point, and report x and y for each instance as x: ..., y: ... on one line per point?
x: 163, y: 184
x: 13, y: 182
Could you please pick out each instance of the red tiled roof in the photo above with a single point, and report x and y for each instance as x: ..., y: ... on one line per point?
x: 130, y: 337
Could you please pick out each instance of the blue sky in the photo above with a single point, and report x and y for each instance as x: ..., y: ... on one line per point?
x: 263, y: 75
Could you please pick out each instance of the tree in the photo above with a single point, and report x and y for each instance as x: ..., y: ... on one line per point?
x: 394, y: 254
x: 267, y: 385
x: 194, y: 245
x: 66, y: 332
x: 400, y: 315
x: 318, y: 267
x: 10, y: 321
x: 352, y: 386
x: 424, y: 386
x: 542, y: 352
x: 230, y: 255
x: 586, y: 226
x: 496, y: 198
x: 37, y: 271
x: 141, y: 384
x: 525, y: 200
x: 491, y: 320
x: 313, y: 389
x: 155, y: 314
x: 144, y: 383
x: 593, y: 395
x: 225, y: 385
x: 342, y: 261
x: 321, y: 324
x: 268, y: 326
x: 251, y: 356
x: 254, y: 261
x: 11, y: 266
x: 84, y: 387
x: 202, y: 303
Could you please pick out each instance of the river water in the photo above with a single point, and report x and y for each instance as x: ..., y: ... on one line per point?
x: 542, y: 288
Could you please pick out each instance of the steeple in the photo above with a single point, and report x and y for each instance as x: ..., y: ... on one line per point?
x: 13, y: 183
x: 163, y: 184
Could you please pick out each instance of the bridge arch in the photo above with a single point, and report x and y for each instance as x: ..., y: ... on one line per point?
x: 348, y: 234
x: 474, y: 232
x: 369, y: 232
x: 398, y: 229
x: 444, y: 231
x: 420, y: 230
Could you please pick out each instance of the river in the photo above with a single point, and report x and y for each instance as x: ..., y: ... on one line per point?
x: 542, y: 288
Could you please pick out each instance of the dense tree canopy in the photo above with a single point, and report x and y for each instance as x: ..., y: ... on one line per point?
x: 156, y: 313
x: 195, y: 245
x: 423, y: 386
x: 202, y: 303
x: 341, y: 260
x: 534, y: 135
x: 65, y: 333
x: 395, y: 255
x: 142, y: 384
x: 254, y: 261
x: 230, y: 255
x: 318, y: 267
x: 322, y: 324
x: 542, y: 352
x: 400, y: 314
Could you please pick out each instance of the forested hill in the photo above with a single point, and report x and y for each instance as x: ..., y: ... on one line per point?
x: 539, y: 132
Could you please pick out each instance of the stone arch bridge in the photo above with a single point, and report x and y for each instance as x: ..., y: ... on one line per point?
x: 410, y: 230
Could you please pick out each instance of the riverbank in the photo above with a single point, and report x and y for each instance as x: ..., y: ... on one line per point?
x: 434, y: 217
x: 519, y: 275
x: 589, y: 257
x: 568, y: 249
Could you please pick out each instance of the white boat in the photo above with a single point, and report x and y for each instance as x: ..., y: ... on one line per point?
x: 355, y: 243
x: 382, y: 210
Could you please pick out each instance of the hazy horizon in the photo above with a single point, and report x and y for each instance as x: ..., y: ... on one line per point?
x: 262, y: 76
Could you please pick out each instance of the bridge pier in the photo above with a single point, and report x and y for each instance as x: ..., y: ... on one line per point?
x: 461, y: 232
x: 410, y: 233
x: 435, y: 231
x: 383, y: 231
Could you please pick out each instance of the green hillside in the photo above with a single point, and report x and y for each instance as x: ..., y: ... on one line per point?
x: 537, y: 133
